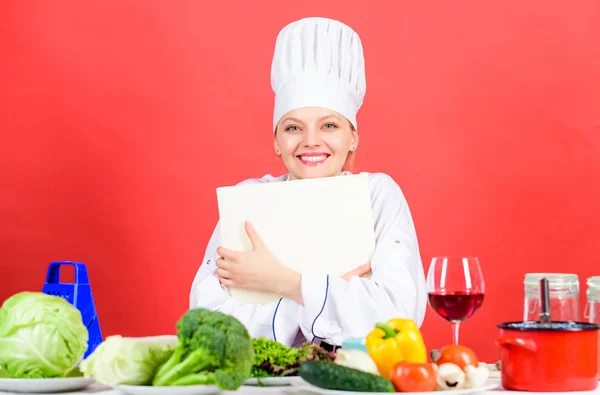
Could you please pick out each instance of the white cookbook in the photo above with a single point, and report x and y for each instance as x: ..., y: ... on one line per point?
x: 314, y: 226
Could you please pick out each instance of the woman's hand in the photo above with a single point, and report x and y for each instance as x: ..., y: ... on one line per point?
x: 359, y: 271
x: 257, y: 270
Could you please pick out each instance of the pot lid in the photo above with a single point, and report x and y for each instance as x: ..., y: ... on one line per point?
x: 553, y: 326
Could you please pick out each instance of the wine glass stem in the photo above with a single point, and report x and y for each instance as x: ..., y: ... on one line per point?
x: 455, y: 327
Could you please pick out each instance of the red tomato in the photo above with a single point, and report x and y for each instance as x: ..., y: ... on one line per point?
x: 414, y: 377
x: 457, y: 354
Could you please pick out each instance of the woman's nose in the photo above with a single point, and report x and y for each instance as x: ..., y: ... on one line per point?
x: 312, y: 138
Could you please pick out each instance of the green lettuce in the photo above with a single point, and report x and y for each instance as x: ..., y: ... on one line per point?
x: 128, y: 360
x: 273, y: 359
x: 41, y: 336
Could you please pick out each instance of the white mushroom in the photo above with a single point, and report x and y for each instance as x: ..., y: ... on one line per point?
x: 476, y: 376
x: 450, y: 377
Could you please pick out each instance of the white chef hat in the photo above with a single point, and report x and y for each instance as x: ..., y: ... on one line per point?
x: 318, y: 62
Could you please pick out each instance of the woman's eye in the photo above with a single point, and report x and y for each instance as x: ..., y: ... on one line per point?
x: 330, y: 125
x: 292, y: 128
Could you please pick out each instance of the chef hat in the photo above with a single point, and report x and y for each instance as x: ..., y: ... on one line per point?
x: 318, y: 62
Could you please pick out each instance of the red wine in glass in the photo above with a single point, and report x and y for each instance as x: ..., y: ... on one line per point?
x: 456, y: 289
x: 456, y: 306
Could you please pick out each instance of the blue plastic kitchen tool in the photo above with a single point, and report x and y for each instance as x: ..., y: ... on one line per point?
x: 79, y: 294
x: 354, y: 344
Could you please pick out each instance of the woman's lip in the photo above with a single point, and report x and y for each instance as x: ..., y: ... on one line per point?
x: 315, y: 158
x: 313, y: 154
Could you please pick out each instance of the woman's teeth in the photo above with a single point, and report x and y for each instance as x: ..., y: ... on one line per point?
x: 313, y: 158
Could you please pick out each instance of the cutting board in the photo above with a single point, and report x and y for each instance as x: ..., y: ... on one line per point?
x: 314, y: 226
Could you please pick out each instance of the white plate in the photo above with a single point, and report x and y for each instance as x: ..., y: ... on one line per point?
x: 490, y: 385
x: 44, y: 386
x: 273, y: 381
x: 171, y: 390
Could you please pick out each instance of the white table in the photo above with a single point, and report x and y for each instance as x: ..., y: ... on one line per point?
x: 250, y: 390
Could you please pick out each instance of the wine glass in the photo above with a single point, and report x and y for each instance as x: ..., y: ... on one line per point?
x: 456, y: 288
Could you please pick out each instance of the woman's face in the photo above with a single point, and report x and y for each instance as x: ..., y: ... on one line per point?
x: 314, y: 142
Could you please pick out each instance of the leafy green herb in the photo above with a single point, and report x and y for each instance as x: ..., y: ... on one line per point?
x: 273, y: 359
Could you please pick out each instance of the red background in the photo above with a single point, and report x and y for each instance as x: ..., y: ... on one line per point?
x: 120, y: 118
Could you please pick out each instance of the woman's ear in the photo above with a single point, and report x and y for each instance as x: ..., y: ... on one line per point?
x: 276, y: 148
x: 354, y: 140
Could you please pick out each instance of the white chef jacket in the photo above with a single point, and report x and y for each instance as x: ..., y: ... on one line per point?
x: 334, y: 309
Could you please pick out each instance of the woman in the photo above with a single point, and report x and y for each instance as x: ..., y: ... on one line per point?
x: 318, y: 78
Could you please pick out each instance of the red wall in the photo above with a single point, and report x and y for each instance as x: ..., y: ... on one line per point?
x: 120, y: 118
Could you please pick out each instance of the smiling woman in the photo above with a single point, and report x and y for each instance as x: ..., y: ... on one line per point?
x: 315, y: 142
x: 318, y: 77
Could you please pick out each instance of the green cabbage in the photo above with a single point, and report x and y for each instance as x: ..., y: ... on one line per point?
x: 41, y: 336
x: 128, y: 360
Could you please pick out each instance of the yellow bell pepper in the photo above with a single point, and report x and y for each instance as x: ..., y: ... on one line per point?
x: 396, y: 341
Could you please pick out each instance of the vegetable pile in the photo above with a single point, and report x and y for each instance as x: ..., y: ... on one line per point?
x: 395, y: 360
x: 210, y: 348
x: 273, y: 359
x: 41, y: 336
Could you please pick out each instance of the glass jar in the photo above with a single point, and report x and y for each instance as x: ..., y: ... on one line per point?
x: 592, y: 307
x: 564, y: 296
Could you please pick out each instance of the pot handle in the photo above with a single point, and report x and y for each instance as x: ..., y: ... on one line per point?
x: 506, y: 341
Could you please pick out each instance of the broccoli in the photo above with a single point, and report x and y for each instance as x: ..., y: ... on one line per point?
x: 214, y: 348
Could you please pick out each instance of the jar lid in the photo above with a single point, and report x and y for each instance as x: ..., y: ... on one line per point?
x: 593, y: 282
x: 554, y: 279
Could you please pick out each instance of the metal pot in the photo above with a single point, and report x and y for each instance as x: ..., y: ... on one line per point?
x: 546, y: 356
